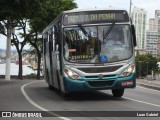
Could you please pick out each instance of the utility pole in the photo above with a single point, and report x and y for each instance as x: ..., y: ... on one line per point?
x: 147, y: 69
x: 140, y: 63
x: 130, y: 7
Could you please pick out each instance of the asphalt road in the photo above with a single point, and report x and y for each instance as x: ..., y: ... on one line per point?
x: 28, y: 95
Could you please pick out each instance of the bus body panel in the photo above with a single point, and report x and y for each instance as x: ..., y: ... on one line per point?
x: 55, y: 77
x: 48, y: 66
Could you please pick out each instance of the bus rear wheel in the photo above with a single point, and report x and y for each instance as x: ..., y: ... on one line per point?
x: 118, y: 92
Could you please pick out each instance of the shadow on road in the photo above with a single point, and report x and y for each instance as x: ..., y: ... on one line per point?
x: 76, y: 96
x: 91, y: 96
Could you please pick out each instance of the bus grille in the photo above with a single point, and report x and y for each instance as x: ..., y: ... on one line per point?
x: 100, y: 69
x: 100, y: 83
x: 104, y: 76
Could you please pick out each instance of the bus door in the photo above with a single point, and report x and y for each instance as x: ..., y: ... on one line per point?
x: 54, y: 60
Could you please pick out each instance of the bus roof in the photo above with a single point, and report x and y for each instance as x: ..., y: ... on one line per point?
x: 95, y: 9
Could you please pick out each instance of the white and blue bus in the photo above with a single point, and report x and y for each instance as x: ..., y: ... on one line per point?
x: 81, y: 53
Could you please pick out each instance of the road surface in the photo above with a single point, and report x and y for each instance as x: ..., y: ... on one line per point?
x: 30, y: 95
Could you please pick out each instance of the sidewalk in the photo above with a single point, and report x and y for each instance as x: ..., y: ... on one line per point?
x: 153, y: 84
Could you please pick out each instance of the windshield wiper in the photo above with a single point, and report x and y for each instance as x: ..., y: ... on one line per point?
x: 109, y: 30
x: 84, y: 31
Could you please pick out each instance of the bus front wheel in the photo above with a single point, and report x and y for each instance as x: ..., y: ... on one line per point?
x: 118, y: 92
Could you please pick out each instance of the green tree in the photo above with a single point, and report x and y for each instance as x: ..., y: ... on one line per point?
x: 8, y: 13
x: 12, y: 12
x: 145, y: 64
x: 38, y: 13
x: 20, y: 43
x: 51, y: 9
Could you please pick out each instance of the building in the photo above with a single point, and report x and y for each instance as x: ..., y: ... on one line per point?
x: 152, y: 24
x: 157, y: 14
x: 157, y: 27
x: 151, y: 42
x: 139, y: 20
x: 140, y: 52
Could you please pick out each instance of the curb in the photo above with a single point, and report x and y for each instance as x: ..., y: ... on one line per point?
x: 149, y: 86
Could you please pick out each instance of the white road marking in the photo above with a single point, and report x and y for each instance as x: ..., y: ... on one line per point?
x: 141, y: 101
x: 36, y: 105
x: 137, y: 100
x: 149, y: 89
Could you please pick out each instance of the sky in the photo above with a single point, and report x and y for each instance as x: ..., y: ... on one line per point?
x: 149, y: 5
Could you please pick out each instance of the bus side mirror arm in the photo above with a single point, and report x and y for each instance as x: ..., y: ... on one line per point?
x: 134, y: 36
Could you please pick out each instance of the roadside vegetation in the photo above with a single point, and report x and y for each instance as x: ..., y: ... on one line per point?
x: 147, y: 65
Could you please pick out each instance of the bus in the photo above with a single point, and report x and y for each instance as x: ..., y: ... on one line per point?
x: 77, y: 56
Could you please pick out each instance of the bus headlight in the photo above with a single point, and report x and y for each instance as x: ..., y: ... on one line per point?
x: 71, y: 74
x: 128, y: 71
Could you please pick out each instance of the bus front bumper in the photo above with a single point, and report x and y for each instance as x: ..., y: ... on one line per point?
x: 89, y: 85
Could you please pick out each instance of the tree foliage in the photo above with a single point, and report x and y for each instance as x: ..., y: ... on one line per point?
x: 145, y: 64
x: 38, y: 13
x: 50, y: 10
x: 18, y: 9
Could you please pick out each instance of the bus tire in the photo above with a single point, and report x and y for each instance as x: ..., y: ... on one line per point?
x: 118, y: 92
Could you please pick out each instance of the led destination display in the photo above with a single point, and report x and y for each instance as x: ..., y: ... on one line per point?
x: 95, y: 17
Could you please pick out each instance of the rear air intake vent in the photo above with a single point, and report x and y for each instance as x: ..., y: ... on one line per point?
x: 100, y: 83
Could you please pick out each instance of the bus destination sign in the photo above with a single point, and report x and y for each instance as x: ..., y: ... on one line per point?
x: 94, y: 17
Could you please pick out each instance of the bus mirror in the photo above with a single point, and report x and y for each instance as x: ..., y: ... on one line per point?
x: 57, y: 47
x: 134, y: 36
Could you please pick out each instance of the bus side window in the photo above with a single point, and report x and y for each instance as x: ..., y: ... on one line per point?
x: 45, y: 38
x: 50, y: 40
x: 56, y: 37
x: 50, y: 35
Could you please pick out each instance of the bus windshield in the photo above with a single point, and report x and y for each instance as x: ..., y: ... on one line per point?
x: 97, y: 44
